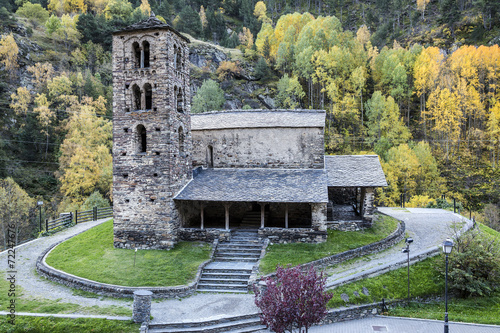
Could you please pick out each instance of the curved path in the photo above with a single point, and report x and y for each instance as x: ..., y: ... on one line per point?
x: 428, y: 228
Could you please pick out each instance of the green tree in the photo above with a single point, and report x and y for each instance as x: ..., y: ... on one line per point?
x: 35, y: 12
x: 209, y: 97
x: 94, y: 200
x: 190, y: 22
x: 290, y: 92
x: 118, y: 10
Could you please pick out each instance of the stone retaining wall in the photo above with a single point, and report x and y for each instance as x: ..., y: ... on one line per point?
x: 112, y: 290
x: 348, y: 225
x: 395, y: 237
x: 293, y: 235
x: 204, y: 235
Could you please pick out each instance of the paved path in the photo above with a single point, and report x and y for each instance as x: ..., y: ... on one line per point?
x: 427, y: 227
x: 36, y: 287
x: 401, y: 325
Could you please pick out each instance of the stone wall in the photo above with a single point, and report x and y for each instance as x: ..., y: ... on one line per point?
x: 205, y: 235
x: 349, y: 225
x: 292, y: 148
x: 293, y: 235
x: 151, y: 140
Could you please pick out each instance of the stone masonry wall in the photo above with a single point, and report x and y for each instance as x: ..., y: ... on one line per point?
x: 291, y: 148
x: 144, y: 182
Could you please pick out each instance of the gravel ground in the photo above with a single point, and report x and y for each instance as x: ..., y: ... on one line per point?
x: 428, y: 228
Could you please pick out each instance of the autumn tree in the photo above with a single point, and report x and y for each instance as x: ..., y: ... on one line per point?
x: 42, y: 73
x: 86, y: 162
x: 21, y: 100
x: 260, y: 12
x: 290, y: 93
x: 118, y: 10
x: 45, y: 116
x: 294, y: 299
x: 16, y: 209
x: 228, y: 69
x: 421, y: 4
x: 9, y: 53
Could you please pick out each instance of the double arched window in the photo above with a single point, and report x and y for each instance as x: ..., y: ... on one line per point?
x: 142, y: 99
x: 141, y: 54
x: 178, y: 99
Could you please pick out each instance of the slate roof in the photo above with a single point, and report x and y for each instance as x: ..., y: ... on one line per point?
x: 150, y: 23
x: 257, y: 119
x: 354, y: 171
x: 264, y: 185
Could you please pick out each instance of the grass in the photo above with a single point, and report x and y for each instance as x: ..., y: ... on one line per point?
x: 91, y: 255
x: 63, y: 325
x: 337, y: 242
x: 54, y: 306
x: 392, y: 285
x: 481, y: 310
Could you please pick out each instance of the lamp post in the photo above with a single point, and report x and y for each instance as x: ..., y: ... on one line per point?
x: 408, y: 241
x: 40, y: 204
x: 447, y: 247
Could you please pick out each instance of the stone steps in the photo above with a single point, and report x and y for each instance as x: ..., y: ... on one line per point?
x: 233, y: 260
x: 243, y: 324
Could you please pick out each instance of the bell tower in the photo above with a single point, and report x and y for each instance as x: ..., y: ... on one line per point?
x: 151, y: 133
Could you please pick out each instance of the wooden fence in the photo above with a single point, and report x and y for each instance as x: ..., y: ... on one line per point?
x: 79, y: 217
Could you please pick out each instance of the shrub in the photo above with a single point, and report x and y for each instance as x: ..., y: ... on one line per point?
x: 35, y: 12
x: 294, y: 299
x: 420, y: 201
x: 474, y: 268
x: 208, y: 98
x: 95, y: 200
x: 228, y: 69
x: 444, y: 204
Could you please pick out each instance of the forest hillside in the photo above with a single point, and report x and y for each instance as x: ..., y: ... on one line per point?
x: 416, y: 82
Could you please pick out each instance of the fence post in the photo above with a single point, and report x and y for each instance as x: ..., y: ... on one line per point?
x: 76, y: 216
x: 95, y: 213
x: 46, y: 225
x: 70, y: 217
x: 454, y: 206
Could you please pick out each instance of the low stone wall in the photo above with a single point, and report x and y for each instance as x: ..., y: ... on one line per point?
x: 205, y: 235
x: 348, y: 225
x: 293, y: 235
x: 395, y: 237
x: 111, y: 290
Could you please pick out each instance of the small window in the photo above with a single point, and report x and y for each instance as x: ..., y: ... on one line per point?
x: 210, y: 156
x: 148, y: 94
x: 125, y: 129
x: 141, y: 138
x: 125, y: 175
x: 124, y: 154
x: 145, y: 48
x: 155, y: 175
x: 157, y: 129
x: 127, y: 200
x: 181, y: 140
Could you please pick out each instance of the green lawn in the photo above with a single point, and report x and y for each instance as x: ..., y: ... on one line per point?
x: 337, y: 242
x: 63, y: 325
x: 91, y: 255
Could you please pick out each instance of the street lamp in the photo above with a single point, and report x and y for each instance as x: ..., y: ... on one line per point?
x: 40, y: 204
x: 408, y: 241
x: 447, y: 247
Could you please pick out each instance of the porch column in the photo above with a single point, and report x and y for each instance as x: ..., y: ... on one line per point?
x: 226, y: 206
x: 142, y: 57
x: 286, y: 216
x: 262, y: 208
x: 202, y: 216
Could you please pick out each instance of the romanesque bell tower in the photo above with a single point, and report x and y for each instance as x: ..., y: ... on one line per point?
x: 151, y: 133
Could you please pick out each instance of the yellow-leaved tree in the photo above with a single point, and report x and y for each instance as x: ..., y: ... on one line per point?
x: 8, y: 54
x: 86, y: 162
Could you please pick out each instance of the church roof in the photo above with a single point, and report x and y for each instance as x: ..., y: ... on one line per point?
x: 264, y: 185
x: 150, y: 23
x: 257, y: 119
x: 354, y: 171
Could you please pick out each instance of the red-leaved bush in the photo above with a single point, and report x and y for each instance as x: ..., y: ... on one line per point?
x: 295, y: 299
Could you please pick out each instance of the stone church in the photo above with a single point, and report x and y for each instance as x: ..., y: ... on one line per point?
x: 182, y: 176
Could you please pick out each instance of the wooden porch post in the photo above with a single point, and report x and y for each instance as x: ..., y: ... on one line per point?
x: 226, y: 206
x: 262, y: 207
x: 202, y: 216
x: 286, y: 216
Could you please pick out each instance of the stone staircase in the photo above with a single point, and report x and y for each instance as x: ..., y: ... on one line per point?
x: 243, y: 324
x: 233, y: 264
x: 252, y: 219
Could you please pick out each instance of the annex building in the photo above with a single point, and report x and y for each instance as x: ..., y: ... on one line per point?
x: 182, y: 176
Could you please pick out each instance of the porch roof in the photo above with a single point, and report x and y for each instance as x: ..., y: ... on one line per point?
x: 354, y: 171
x: 262, y: 185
